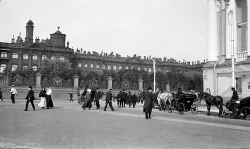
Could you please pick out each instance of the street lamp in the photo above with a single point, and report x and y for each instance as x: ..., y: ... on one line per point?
x: 154, y: 71
x: 230, y: 14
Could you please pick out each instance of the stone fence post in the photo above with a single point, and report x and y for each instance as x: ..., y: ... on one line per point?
x: 76, y: 78
x: 140, y: 81
x: 110, y: 82
x: 168, y: 87
x: 38, y: 80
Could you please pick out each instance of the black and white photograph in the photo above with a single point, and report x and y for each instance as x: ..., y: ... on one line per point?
x: 124, y: 74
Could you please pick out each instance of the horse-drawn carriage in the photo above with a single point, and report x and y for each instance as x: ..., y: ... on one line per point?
x: 238, y: 109
x: 183, y: 104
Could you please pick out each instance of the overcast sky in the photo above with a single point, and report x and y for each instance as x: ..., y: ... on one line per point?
x: 162, y: 28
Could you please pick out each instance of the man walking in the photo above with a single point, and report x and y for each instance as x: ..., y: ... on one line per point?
x: 30, y: 97
x: 13, y: 93
x: 134, y: 99
x: 123, y: 98
x: 147, y: 108
x: 119, y: 99
x: 98, y: 96
x: 108, y: 100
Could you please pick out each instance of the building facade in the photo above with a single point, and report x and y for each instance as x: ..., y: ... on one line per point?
x: 228, y: 37
x: 29, y: 54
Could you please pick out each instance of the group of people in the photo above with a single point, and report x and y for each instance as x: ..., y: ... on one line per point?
x: 45, y: 96
x: 126, y: 98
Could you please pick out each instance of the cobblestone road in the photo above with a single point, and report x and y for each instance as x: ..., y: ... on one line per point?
x: 68, y: 126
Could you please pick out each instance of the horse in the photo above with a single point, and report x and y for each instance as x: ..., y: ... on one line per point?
x: 212, y: 100
x: 163, y: 100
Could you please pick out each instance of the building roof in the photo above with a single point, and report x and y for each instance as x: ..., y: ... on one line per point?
x: 30, y: 23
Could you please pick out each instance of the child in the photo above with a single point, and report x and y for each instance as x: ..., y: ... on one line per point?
x: 71, y: 96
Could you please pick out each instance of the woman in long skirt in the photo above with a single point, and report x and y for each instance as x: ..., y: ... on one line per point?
x: 48, y: 98
x: 42, y: 95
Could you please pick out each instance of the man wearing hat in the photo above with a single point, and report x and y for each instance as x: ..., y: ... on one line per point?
x: 148, y: 104
x: 108, y: 100
x: 13, y: 93
x: 30, y: 97
x: 98, y: 96
x: 123, y: 99
x: 233, y: 98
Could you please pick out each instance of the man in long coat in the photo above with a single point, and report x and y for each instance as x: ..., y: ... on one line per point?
x: 98, y: 96
x: 147, y: 108
x: 108, y: 100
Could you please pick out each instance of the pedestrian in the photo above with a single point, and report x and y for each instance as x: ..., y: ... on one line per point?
x: 70, y: 97
x: 1, y: 94
x: 30, y: 98
x: 119, y: 99
x: 78, y: 94
x: 42, y: 95
x: 108, y: 100
x: 129, y: 99
x: 134, y: 100
x: 49, y: 99
x: 13, y: 92
x: 123, y: 96
x: 87, y: 102
x: 98, y: 96
x: 147, y: 108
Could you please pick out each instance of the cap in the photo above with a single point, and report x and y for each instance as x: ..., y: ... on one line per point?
x: 149, y: 88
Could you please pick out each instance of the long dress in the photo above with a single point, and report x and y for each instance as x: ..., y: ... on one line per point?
x: 42, y: 95
x: 49, y: 99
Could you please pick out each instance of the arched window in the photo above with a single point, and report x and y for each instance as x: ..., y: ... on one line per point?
x: 2, y: 67
x: 109, y: 67
x: 25, y: 67
x: 86, y: 65
x: 34, y: 57
x: 34, y: 68
x: 79, y: 65
x: 91, y: 65
x: 25, y: 56
x: 97, y: 66
x: 120, y: 67
x: 53, y: 57
x: 126, y: 67
x: 103, y: 66
x: 14, y: 67
x: 114, y: 67
x: 139, y: 68
x: 62, y: 58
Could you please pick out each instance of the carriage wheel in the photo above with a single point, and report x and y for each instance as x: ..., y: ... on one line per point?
x: 181, y: 108
x: 194, y: 109
x: 245, y: 113
x: 226, y: 113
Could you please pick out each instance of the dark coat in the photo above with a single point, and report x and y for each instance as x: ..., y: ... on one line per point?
x: 235, y: 96
x: 98, y: 95
x: 30, y: 95
x: 1, y: 94
x: 119, y: 96
x: 134, y: 98
x: 178, y: 94
x: 108, y: 96
x: 42, y: 93
x: 87, y: 102
x: 129, y: 97
x: 123, y: 95
x: 148, y: 104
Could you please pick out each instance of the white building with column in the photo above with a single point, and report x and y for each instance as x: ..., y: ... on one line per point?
x: 228, y: 37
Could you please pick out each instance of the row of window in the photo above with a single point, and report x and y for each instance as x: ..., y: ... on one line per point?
x: 14, y: 67
x: 26, y: 56
x: 114, y: 67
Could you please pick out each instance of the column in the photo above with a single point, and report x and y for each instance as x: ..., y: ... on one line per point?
x: 110, y: 82
x: 39, y: 59
x: 212, y: 31
x: 30, y: 59
x: 76, y: 79
x: 168, y: 87
x: 38, y: 80
x: 248, y: 29
x: 140, y: 84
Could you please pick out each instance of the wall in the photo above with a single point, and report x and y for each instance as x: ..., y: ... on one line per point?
x: 208, y: 81
x: 224, y: 87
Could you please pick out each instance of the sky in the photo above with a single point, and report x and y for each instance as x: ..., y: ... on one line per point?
x: 160, y: 28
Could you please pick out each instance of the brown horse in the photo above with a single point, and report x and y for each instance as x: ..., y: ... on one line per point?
x: 212, y: 100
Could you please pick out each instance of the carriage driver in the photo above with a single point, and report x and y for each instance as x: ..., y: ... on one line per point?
x: 233, y: 98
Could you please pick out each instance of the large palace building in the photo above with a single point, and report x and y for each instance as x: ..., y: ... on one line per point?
x: 30, y: 52
x: 228, y: 38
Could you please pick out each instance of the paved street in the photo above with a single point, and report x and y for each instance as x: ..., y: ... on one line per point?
x: 68, y: 126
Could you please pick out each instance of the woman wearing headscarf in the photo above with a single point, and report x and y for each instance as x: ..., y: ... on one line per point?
x: 87, y: 102
x: 42, y: 95
x: 48, y: 98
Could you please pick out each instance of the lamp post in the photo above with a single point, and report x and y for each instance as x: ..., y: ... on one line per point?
x: 154, y: 71
x: 230, y: 14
